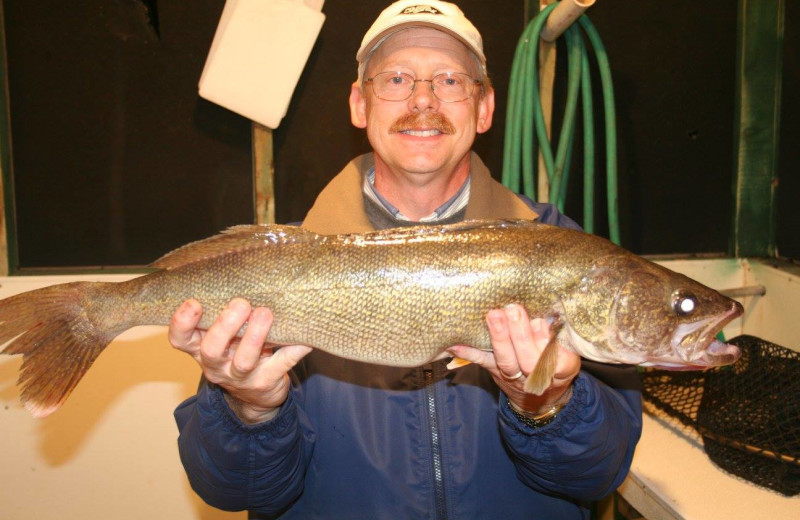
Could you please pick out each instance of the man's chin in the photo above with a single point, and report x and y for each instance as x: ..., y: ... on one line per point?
x: 415, y: 159
x: 422, y: 168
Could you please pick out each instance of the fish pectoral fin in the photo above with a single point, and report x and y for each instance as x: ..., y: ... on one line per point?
x: 457, y: 362
x: 542, y: 376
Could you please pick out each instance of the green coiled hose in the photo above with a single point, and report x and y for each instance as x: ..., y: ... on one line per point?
x: 526, y: 131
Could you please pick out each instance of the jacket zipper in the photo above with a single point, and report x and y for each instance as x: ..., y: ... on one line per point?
x: 436, y: 447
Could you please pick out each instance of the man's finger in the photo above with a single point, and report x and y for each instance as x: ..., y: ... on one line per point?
x: 214, y: 348
x: 183, y: 324
x: 287, y: 357
x: 474, y: 355
x: 526, y: 348
x: 501, y: 322
x: 248, y: 352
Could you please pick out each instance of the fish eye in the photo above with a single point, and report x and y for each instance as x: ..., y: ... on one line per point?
x: 683, y: 303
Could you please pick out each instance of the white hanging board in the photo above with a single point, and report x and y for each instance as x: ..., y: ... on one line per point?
x: 258, y: 54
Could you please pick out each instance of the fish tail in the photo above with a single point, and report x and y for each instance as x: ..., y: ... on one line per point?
x: 59, y: 332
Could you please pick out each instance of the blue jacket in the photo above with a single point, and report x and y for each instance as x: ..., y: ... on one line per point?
x: 359, y: 441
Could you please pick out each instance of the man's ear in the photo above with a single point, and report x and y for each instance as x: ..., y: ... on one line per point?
x: 358, y: 106
x: 485, y: 111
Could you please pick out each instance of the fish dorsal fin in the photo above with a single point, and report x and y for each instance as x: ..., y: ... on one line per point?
x: 427, y: 230
x: 233, y: 240
x: 254, y: 236
x: 468, y: 225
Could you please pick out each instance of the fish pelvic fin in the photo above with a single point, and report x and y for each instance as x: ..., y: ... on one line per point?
x: 457, y: 363
x: 233, y: 240
x: 58, y: 338
x: 542, y: 376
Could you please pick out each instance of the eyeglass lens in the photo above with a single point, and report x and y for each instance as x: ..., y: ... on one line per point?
x: 397, y: 86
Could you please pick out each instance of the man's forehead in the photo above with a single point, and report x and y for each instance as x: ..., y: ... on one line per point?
x: 422, y: 37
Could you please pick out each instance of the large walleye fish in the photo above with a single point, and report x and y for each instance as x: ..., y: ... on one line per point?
x: 394, y: 297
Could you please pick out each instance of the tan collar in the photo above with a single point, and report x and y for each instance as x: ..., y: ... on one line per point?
x: 339, y: 208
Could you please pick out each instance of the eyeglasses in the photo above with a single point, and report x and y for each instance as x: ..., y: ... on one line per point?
x: 449, y: 87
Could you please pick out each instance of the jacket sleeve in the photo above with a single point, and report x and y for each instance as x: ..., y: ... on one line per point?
x: 549, y: 214
x: 586, y: 452
x: 234, y: 466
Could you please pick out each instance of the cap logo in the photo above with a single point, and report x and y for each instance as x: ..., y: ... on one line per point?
x: 416, y: 9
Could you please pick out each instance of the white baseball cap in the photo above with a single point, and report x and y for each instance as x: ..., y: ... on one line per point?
x: 444, y: 16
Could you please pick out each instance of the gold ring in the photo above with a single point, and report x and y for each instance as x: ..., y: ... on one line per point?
x: 514, y: 377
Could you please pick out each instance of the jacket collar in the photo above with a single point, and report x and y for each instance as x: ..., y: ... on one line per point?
x: 339, y: 208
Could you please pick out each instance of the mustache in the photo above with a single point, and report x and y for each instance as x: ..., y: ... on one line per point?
x: 434, y: 121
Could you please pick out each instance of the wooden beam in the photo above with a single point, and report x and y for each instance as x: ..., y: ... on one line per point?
x: 263, y: 175
x: 8, y: 251
x: 759, y: 64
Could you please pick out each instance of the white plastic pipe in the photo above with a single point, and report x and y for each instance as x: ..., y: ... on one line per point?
x: 562, y: 17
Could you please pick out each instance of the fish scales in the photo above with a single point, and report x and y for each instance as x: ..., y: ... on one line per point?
x: 394, y: 297
x: 380, y: 299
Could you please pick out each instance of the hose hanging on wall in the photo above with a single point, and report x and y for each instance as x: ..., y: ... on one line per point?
x: 525, y: 116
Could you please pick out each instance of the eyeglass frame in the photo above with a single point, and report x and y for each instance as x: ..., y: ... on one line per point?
x: 414, y: 82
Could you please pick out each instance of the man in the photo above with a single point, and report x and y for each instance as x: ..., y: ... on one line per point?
x: 298, y: 433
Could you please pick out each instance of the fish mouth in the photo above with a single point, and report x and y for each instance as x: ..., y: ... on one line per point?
x: 715, y: 354
x: 695, y: 345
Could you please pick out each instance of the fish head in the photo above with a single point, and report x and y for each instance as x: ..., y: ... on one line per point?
x: 644, y: 314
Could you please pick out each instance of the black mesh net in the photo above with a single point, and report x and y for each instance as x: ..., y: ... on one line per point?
x: 748, y: 414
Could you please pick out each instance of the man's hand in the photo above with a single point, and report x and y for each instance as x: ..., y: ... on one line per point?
x: 254, y: 376
x: 517, y: 344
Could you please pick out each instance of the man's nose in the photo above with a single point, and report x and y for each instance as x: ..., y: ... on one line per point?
x: 422, y: 98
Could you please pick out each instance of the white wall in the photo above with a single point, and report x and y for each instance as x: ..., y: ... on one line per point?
x: 110, y: 451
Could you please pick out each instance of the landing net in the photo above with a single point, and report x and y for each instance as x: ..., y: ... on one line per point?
x: 748, y: 414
